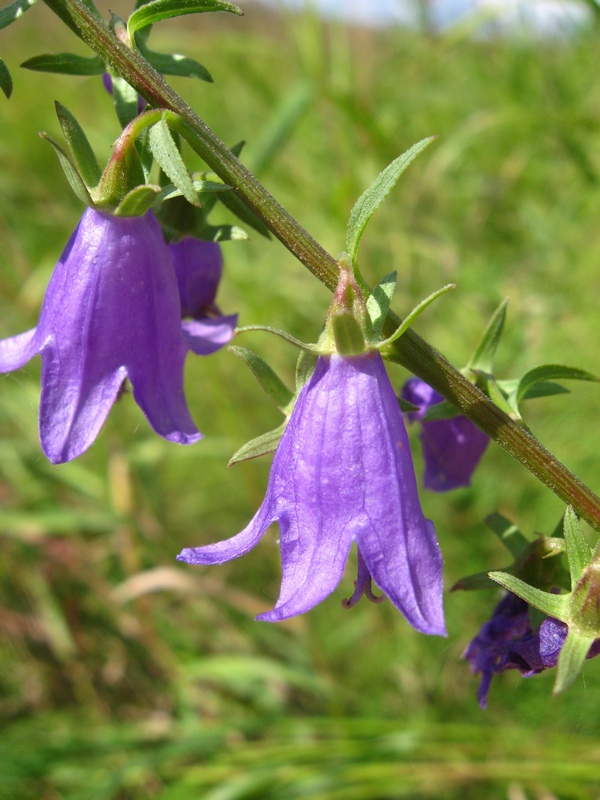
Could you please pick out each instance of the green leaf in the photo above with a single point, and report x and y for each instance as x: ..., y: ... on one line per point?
x: 549, y: 372
x: 174, y: 64
x: 125, y: 99
x: 169, y: 158
x: 137, y: 201
x: 233, y: 203
x: 508, y: 533
x: 169, y: 192
x: 578, y: 550
x: 416, y: 312
x: 483, y: 358
x: 271, y: 384
x: 570, y: 661
x: 266, y: 443
x: 544, y: 389
x: 6, y: 83
x: 158, y: 10
x: 554, y: 605
x: 378, y: 302
x: 368, y: 203
x: 225, y: 233
x: 13, y: 11
x: 70, y: 170
x: 443, y: 410
x: 83, y: 155
x: 305, y: 366
x: 65, y: 64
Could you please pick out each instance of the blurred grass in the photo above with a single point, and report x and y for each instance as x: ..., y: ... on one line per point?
x: 124, y: 675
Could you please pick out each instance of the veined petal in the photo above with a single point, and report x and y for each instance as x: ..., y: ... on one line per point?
x: 237, y: 546
x: 16, y: 351
x: 206, y: 336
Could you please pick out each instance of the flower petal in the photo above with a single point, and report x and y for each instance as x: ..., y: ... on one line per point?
x: 16, y: 351
x: 206, y: 336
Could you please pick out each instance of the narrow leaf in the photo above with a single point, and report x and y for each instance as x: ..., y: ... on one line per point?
x: 83, y: 155
x: 169, y: 158
x: 554, y: 605
x: 169, y: 192
x: 266, y: 443
x: 570, y: 661
x: 544, y: 389
x: 177, y: 65
x: 550, y: 372
x: 368, y: 203
x: 378, y: 302
x: 6, y: 83
x: 65, y: 64
x: 125, y: 99
x: 508, y: 533
x: 70, y: 170
x: 13, y: 11
x: 158, y: 10
x: 578, y: 550
x: 443, y: 410
x: 137, y: 201
x: 483, y: 358
x: 233, y: 203
x: 416, y: 312
x: 271, y: 384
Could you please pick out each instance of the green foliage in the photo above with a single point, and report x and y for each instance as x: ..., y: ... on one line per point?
x: 123, y: 675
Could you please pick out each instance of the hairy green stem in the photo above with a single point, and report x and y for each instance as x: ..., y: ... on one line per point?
x: 410, y: 350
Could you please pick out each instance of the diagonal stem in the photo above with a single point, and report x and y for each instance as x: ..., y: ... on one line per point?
x: 411, y: 351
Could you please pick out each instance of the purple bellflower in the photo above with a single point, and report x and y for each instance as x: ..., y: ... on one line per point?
x: 508, y: 641
x: 452, y: 448
x: 343, y: 473
x: 198, y: 266
x: 111, y: 311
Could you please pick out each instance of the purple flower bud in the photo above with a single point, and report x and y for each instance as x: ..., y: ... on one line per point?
x: 343, y: 473
x: 111, y: 312
x: 507, y: 641
x: 452, y: 448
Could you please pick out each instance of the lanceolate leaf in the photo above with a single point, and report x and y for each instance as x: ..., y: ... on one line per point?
x: 379, y: 300
x: 268, y: 380
x: 13, y: 11
x: 578, y: 550
x: 70, y: 171
x: 80, y: 148
x: 169, y: 158
x: 368, y: 203
x: 549, y: 372
x: 158, y: 10
x: 6, y: 83
x: 65, y: 63
x: 267, y: 443
x: 177, y: 65
x: 233, y: 203
x: 483, y: 358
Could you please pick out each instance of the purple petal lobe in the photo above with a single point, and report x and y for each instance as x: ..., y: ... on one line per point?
x: 205, y: 336
x: 16, y: 351
x: 198, y: 266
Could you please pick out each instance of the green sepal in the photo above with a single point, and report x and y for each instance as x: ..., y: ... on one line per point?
x: 65, y: 64
x: 311, y: 348
x: 169, y: 158
x: 261, y: 446
x: 553, y: 605
x: 269, y: 382
x: 305, y: 366
x: 416, y: 312
x: 13, y: 11
x: 123, y: 173
x: 368, y: 203
x: 6, y: 83
x: 75, y: 180
x: 578, y: 550
x: 81, y: 151
x: 158, y: 10
x: 378, y: 302
x: 137, y: 201
x: 483, y: 358
x: 347, y: 333
x: 174, y: 64
x: 570, y: 660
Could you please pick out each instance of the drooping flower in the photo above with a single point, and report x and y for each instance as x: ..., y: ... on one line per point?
x: 508, y: 641
x: 343, y: 473
x: 111, y: 312
x: 452, y: 448
x: 198, y: 266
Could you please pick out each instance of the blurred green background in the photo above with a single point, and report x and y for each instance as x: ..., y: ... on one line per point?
x: 126, y: 676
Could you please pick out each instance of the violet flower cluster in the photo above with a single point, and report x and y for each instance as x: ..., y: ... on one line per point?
x: 343, y: 473
x: 452, y: 448
x: 508, y: 641
x: 112, y: 311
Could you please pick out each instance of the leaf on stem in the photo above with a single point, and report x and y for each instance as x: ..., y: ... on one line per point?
x: 158, y: 10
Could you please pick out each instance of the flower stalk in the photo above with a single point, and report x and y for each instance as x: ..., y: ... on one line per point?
x: 411, y: 351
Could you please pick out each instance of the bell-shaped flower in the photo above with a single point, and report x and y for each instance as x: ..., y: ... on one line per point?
x: 452, y: 448
x: 198, y: 266
x: 111, y: 311
x: 343, y: 473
